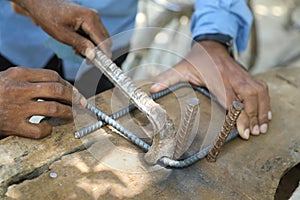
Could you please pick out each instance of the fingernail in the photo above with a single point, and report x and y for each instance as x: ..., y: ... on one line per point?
x: 269, y: 115
x: 255, y: 130
x: 247, y: 134
x: 263, y: 128
x: 90, y: 53
x: 154, y: 86
x: 83, y: 102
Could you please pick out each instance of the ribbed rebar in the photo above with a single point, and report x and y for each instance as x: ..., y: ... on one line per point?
x: 230, y: 121
x: 97, y: 125
x: 87, y: 130
x: 195, y: 157
x: 140, y: 143
x: 165, y: 161
x: 133, y: 138
x: 163, y: 143
x: 185, y: 128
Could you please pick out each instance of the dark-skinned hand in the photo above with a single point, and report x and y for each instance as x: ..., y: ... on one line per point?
x: 227, y: 80
x: 66, y: 21
x: 19, y: 90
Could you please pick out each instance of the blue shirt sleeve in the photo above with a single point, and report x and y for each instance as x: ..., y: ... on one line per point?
x: 229, y: 17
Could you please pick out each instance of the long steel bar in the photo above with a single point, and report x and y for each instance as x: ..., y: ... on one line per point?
x: 93, y: 127
x: 230, y: 120
x: 185, y: 129
x: 164, y: 131
x: 166, y: 161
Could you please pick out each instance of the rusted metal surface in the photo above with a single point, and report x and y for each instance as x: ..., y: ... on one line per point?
x: 230, y: 121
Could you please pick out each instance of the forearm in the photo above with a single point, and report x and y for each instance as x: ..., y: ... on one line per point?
x: 31, y: 5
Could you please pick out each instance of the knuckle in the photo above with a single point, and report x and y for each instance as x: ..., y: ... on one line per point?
x: 252, y: 115
x: 54, y: 75
x: 15, y: 71
x: 108, y: 43
x: 57, y: 90
x: 36, y: 133
x: 249, y: 92
x: 263, y: 118
x: 52, y: 108
x: 263, y: 87
x: 93, y: 13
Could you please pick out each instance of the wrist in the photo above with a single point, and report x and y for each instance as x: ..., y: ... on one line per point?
x: 22, y: 3
x: 214, y: 48
x: 222, y: 39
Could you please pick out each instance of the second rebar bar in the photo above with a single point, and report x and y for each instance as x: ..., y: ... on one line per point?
x: 184, y: 131
x: 230, y: 121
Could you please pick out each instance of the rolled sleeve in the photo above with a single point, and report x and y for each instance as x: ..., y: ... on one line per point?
x: 229, y: 17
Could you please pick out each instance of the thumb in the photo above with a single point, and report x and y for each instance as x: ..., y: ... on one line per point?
x: 79, y: 43
x: 166, y: 79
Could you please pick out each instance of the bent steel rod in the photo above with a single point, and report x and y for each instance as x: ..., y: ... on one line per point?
x: 166, y: 161
x: 164, y: 130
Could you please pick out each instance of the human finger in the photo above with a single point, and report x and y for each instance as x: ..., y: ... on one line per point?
x: 166, y: 79
x: 49, y: 109
x: 28, y: 130
x: 242, y: 122
x: 34, y: 75
x: 78, y: 99
x: 96, y: 31
x: 47, y: 90
x: 68, y: 36
x: 55, y: 91
x: 249, y: 97
x: 263, y: 106
x: 243, y: 125
x: 183, y: 71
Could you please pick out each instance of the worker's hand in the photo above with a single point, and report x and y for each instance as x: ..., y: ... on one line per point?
x: 67, y: 22
x: 227, y: 80
x: 18, y: 9
x: 19, y: 90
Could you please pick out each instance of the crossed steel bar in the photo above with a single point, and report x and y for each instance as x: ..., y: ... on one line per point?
x: 166, y: 161
x: 164, y: 131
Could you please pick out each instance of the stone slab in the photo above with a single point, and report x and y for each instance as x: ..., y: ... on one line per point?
x: 113, y: 168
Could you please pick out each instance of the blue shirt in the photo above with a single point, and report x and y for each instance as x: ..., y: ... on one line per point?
x: 230, y: 17
x: 25, y: 44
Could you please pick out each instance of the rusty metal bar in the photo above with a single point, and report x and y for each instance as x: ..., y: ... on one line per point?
x: 230, y: 121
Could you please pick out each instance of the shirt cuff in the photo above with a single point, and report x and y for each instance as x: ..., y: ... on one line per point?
x: 231, y: 17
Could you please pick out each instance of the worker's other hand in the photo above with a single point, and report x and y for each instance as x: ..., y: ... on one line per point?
x: 20, y: 88
x: 227, y: 80
x: 66, y: 21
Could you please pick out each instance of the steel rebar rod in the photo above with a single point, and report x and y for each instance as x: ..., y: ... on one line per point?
x: 164, y: 131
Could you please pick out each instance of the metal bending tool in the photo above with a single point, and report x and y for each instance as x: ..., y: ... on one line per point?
x: 163, y: 144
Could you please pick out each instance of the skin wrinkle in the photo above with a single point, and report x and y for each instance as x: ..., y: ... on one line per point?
x: 18, y: 100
